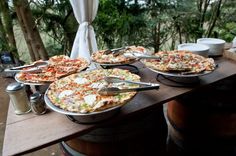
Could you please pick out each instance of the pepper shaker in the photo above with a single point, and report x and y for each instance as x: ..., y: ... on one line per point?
x: 18, y: 98
x: 37, y: 103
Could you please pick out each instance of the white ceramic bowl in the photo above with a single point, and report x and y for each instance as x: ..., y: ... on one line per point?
x: 216, y: 45
x: 199, y: 49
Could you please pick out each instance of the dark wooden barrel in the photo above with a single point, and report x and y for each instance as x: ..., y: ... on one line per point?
x: 142, y: 135
x: 205, y: 120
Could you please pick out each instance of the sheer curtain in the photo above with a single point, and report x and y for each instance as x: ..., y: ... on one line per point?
x: 85, y: 42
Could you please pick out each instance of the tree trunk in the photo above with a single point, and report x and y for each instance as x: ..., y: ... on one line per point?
x: 8, y: 27
x: 215, y: 16
x: 3, y: 38
x: 34, y: 42
x: 158, y: 36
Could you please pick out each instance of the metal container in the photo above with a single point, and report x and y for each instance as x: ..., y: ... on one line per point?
x: 18, y: 98
x: 37, y: 103
x: 85, y: 117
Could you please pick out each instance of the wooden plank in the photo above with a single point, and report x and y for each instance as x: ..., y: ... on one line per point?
x: 37, y: 132
x: 230, y: 54
x: 29, y: 132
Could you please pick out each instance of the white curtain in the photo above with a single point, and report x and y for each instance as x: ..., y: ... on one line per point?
x: 85, y: 42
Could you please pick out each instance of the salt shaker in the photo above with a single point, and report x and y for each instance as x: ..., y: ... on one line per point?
x: 18, y: 98
x: 37, y: 103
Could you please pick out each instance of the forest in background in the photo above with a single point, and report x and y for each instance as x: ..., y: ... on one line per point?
x: 49, y: 27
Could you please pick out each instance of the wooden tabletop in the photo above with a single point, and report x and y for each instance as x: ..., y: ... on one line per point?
x: 29, y: 132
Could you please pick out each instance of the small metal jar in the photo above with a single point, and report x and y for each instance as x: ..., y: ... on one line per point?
x: 18, y: 98
x: 37, y: 103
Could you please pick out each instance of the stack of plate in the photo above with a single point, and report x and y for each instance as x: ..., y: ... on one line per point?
x: 196, y: 48
x: 216, y: 45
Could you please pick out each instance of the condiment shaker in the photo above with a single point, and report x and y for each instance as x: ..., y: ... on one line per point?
x: 18, y: 98
x: 37, y: 103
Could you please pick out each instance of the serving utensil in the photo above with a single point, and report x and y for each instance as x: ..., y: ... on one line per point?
x: 116, y: 51
x: 113, y: 79
x: 35, y: 64
x: 138, y: 55
x: 36, y: 67
x: 115, y: 90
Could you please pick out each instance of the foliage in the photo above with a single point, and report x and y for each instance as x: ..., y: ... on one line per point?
x: 117, y: 24
x: 54, y: 18
x: 155, y: 24
x: 226, y: 27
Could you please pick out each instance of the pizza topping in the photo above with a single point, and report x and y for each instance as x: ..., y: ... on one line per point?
x: 100, y: 104
x: 65, y: 93
x: 90, y: 99
x: 81, y: 80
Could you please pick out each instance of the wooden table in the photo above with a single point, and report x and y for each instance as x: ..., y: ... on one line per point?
x: 29, y: 132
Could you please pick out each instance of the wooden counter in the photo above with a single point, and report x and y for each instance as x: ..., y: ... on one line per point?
x: 29, y: 132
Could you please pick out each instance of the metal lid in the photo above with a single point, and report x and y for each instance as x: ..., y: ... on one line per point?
x: 14, y: 87
x: 35, y: 96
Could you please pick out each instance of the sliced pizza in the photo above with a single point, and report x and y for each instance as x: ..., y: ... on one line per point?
x: 58, y: 66
x: 117, y: 57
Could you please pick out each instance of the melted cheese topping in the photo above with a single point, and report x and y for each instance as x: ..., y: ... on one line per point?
x: 80, y: 80
x: 65, y: 93
x: 90, y: 99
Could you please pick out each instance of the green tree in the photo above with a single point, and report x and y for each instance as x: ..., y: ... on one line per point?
x: 31, y: 34
x: 7, y: 30
x: 56, y: 19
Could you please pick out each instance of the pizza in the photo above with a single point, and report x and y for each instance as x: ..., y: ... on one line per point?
x: 180, y: 61
x: 79, y: 92
x: 106, y: 57
x: 58, y: 66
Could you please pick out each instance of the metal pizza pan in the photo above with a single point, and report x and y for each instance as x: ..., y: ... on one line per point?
x: 85, y: 117
x: 92, y: 117
x: 180, y: 74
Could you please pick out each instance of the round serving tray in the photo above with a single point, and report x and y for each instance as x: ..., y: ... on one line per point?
x: 84, y: 117
x: 180, y: 74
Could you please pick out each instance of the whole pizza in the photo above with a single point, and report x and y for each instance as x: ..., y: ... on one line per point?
x: 180, y: 61
x: 79, y: 92
x: 116, y: 57
x: 57, y: 67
